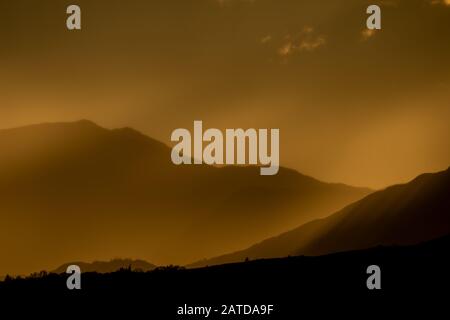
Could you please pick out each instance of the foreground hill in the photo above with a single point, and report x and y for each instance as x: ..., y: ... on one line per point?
x: 293, y: 286
x: 402, y: 214
x: 76, y: 191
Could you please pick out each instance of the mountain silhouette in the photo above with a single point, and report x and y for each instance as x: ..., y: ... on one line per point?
x: 77, y: 191
x: 399, y: 215
x: 108, y: 266
x: 294, y: 285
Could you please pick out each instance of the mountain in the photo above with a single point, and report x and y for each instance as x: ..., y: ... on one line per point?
x: 399, y: 215
x: 108, y: 266
x: 77, y: 191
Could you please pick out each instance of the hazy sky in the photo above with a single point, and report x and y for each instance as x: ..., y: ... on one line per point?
x: 368, y: 109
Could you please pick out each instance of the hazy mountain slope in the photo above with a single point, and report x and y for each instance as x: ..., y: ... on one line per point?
x: 402, y: 214
x: 76, y: 191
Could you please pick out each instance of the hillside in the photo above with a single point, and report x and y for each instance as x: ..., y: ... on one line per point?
x: 77, y: 191
x: 293, y: 285
x: 399, y: 215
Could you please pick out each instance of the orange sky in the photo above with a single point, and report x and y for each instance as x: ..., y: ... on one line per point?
x: 364, y: 109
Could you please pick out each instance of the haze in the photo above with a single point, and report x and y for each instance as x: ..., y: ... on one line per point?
x: 363, y: 108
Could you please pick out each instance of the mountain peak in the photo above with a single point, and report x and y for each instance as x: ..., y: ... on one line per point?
x: 86, y: 122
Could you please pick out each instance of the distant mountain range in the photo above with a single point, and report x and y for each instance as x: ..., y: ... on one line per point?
x: 399, y: 215
x: 108, y: 266
x: 77, y: 191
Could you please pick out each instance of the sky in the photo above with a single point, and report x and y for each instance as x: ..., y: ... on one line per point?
x: 353, y: 106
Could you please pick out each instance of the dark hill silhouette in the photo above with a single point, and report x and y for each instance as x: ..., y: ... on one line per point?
x: 334, y: 283
x: 402, y: 214
x: 78, y: 191
x: 108, y: 266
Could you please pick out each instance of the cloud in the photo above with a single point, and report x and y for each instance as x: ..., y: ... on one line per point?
x: 308, y: 30
x: 266, y: 39
x: 312, y: 44
x: 286, y: 50
x: 307, y: 40
x: 440, y: 2
x: 366, y: 34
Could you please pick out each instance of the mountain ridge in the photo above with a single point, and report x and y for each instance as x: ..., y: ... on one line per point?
x: 352, y: 227
x: 84, y: 192
x: 133, y: 132
x: 108, y: 266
